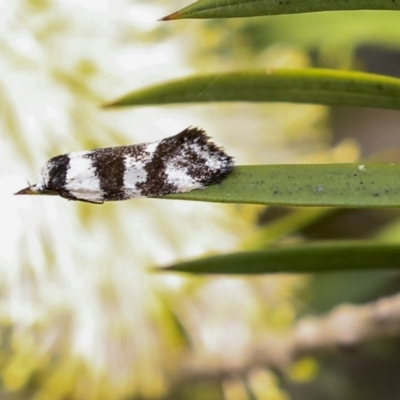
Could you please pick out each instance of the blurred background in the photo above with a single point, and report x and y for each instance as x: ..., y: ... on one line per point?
x: 81, y: 316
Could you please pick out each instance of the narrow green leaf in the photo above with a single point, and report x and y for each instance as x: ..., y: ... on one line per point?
x: 302, y: 258
x: 332, y: 185
x: 253, y: 8
x: 322, y: 86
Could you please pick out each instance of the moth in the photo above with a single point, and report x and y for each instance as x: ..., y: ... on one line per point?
x: 177, y: 164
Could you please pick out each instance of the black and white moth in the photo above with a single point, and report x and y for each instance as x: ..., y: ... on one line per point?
x: 180, y: 163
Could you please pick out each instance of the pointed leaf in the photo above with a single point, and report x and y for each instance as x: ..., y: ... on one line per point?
x: 253, y: 8
x: 320, y: 86
x: 302, y: 258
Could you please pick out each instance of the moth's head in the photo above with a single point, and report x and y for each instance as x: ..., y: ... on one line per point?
x: 31, y: 189
x: 52, y: 177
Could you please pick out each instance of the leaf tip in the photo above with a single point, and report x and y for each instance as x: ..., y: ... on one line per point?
x: 170, y: 17
x: 107, y: 105
x: 111, y: 104
x: 161, y: 270
x: 154, y: 270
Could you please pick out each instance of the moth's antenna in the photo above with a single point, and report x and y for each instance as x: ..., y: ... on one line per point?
x: 27, y: 190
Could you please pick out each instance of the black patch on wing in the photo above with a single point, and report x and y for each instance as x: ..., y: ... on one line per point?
x: 177, y: 152
x: 157, y: 183
x: 109, y: 168
x: 59, y: 166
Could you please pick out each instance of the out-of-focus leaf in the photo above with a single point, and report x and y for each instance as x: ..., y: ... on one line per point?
x: 294, y: 221
x: 253, y: 8
x: 302, y: 258
x: 321, y: 86
x: 330, y: 185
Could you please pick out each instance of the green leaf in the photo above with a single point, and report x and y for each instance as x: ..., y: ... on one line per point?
x: 322, y: 86
x: 302, y: 258
x: 332, y: 185
x: 253, y: 8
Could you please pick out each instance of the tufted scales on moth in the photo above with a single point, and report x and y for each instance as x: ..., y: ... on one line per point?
x: 180, y: 163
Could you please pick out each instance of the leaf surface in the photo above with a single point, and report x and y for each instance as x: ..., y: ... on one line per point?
x: 313, y: 86
x: 322, y: 185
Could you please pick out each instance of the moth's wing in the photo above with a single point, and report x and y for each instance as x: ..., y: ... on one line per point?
x: 194, y: 160
x: 82, y: 193
x: 118, y: 170
x: 80, y: 197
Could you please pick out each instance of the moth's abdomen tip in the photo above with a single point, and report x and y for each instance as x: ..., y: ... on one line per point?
x: 225, y: 168
x: 230, y: 163
x: 197, y: 136
x: 203, y: 144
